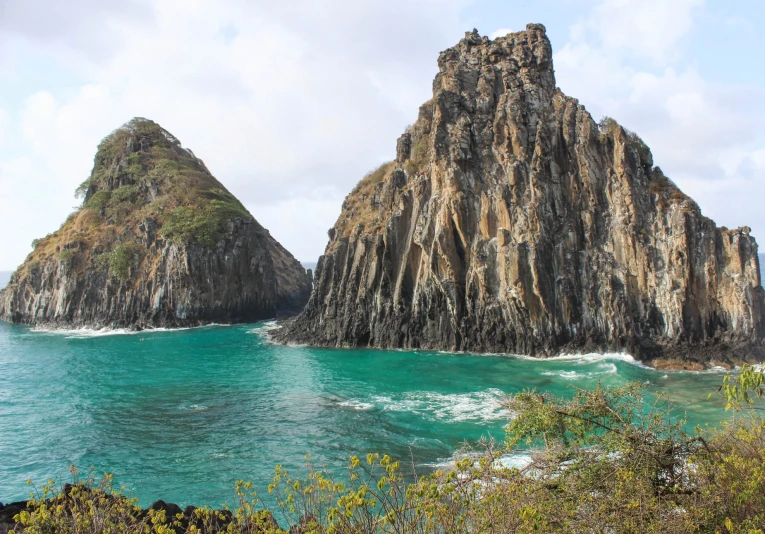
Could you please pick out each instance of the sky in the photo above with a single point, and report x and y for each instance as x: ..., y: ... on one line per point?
x: 290, y: 103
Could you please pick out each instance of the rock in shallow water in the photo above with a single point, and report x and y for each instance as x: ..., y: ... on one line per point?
x: 158, y: 242
x: 512, y: 222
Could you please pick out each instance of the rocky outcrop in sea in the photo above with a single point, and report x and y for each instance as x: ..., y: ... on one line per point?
x: 511, y: 221
x: 157, y: 242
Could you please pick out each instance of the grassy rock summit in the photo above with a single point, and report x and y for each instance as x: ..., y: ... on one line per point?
x: 157, y: 242
x: 511, y: 221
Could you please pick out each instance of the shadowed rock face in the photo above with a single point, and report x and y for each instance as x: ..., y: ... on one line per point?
x: 158, y: 242
x: 512, y: 222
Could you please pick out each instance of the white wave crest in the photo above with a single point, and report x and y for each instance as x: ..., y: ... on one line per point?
x: 264, y: 329
x: 518, y: 460
x: 76, y: 333
x: 568, y: 375
x: 591, y: 357
x: 457, y: 407
x: 81, y: 333
x: 356, y: 405
x: 603, y: 369
x: 265, y: 326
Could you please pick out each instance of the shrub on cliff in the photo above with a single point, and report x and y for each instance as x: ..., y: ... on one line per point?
x: 610, y: 127
x: 204, y: 223
x: 418, y: 155
x: 120, y: 260
x: 98, y: 201
x: 66, y: 255
x: 373, y: 177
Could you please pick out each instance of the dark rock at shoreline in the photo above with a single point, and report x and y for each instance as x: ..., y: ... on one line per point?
x: 512, y: 222
x: 8, y: 512
x: 186, y: 518
x: 158, y: 242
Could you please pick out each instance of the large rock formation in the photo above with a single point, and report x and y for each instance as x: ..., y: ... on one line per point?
x: 512, y: 222
x: 158, y: 241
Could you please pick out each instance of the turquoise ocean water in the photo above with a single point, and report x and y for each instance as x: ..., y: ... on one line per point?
x: 181, y: 415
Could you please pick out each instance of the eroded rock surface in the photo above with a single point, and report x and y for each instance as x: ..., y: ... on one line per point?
x: 512, y: 222
x: 158, y: 242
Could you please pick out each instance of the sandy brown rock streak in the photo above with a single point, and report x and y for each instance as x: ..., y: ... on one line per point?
x: 512, y: 222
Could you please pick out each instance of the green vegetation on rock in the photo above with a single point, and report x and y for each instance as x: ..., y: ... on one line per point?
x: 659, y: 182
x: 98, y: 201
x: 157, y: 241
x: 142, y: 176
x: 121, y: 259
x: 205, y: 223
x: 609, y: 126
x: 418, y: 155
x: 660, y: 185
x: 125, y: 194
x: 373, y: 177
x: 66, y: 255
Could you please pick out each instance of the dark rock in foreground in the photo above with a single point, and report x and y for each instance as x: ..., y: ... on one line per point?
x: 158, y: 242
x: 512, y: 222
x: 179, y: 521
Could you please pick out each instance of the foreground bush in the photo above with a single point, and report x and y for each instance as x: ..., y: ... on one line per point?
x: 607, y: 460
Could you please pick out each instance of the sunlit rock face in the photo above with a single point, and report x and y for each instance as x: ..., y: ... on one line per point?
x: 512, y: 222
x: 158, y: 242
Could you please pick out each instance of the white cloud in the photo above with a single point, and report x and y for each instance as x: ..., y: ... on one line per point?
x: 740, y: 24
x: 733, y: 202
x: 23, y: 178
x: 91, y: 28
x: 5, y: 126
x: 300, y: 220
x: 647, y: 29
x: 758, y: 157
x: 500, y: 33
x: 288, y: 104
x: 63, y: 136
x: 627, y: 60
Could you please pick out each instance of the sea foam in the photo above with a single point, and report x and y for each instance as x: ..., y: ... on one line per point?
x: 456, y: 407
x: 519, y: 460
x: 264, y: 329
x: 356, y: 405
x: 80, y: 333
x: 603, y: 369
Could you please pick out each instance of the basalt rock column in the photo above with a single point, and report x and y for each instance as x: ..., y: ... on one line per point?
x: 157, y: 242
x: 511, y: 221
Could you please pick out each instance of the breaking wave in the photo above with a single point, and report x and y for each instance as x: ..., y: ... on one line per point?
x: 457, y: 407
x: 518, y: 460
x: 81, y: 333
x: 264, y: 329
x: 603, y: 369
x: 356, y: 405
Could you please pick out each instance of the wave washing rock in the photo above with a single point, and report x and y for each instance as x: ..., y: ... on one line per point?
x: 158, y: 242
x: 512, y: 222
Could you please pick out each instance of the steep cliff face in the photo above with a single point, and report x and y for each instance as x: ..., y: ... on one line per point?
x: 158, y: 241
x: 512, y: 222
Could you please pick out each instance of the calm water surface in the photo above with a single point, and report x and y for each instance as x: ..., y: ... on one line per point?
x: 181, y: 415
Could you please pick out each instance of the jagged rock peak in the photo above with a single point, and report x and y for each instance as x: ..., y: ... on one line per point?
x: 116, y: 162
x: 158, y: 241
x: 510, y: 221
